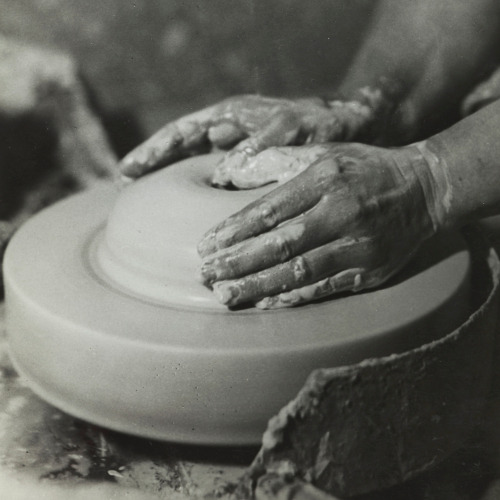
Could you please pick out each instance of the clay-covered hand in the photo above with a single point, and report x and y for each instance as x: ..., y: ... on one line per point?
x: 348, y: 222
x: 250, y: 124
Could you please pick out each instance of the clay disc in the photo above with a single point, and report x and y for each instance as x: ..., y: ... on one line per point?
x: 107, y: 320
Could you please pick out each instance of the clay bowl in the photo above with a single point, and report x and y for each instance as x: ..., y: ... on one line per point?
x: 107, y: 320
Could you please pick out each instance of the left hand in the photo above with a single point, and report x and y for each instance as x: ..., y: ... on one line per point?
x: 247, y: 125
x: 348, y: 222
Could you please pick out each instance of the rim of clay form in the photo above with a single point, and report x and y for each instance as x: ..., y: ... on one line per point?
x: 108, y: 322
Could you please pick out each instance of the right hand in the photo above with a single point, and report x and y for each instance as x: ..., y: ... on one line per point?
x: 348, y: 222
x: 247, y: 125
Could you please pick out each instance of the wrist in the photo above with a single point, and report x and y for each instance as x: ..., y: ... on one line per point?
x: 375, y: 103
x: 431, y: 171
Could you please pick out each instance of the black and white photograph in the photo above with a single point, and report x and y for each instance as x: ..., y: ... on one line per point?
x: 250, y: 250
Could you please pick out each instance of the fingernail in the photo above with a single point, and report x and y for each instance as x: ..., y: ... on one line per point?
x: 124, y: 180
x: 224, y: 238
x: 226, y: 294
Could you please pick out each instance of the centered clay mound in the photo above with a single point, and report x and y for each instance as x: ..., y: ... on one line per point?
x: 109, y: 323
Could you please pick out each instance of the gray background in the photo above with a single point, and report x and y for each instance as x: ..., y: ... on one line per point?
x: 157, y: 59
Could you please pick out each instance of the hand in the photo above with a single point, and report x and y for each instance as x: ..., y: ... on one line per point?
x: 348, y: 222
x: 250, y: 124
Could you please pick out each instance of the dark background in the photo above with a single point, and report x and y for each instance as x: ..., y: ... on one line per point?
x: 152, y: 60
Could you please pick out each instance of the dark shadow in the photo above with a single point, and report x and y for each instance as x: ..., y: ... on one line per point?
x: 431, y: 253
x: 127, y: 447
x: 123, y: 130
x: 466, y: 474
x: 121, y: 125
x: 28, y: 152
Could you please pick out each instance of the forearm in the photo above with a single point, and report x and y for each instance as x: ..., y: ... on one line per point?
x: 464, y: 165
x: 425, y: 55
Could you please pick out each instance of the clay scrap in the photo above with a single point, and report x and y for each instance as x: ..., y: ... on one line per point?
x: 365, y: 427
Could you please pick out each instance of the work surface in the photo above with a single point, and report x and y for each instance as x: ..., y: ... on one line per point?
x: 47, y: 454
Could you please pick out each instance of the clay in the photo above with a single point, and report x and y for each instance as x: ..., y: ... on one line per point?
x: 435, y: 184
x: 369, y: 426
x: 114, y: 301
x: 249, y: 125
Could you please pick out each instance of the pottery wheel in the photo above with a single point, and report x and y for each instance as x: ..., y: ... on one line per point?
x: 107, y: 321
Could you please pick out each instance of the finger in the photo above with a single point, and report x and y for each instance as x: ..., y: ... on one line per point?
x: 225, y: 134
x: 298, y: 272
x: 285, y: 202
x: 170, y: 143
x: 328, y: 129
x: 236, y: 167
x: 279, y: 245
x: 256, y: 253
x: 324, y: 126
x: 343, y: 121
x: 350, y: 280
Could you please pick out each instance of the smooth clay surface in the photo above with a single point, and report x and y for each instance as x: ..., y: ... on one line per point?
x: 109, y: 323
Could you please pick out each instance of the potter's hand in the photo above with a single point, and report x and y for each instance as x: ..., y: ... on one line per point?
x: 348, y: 222
x: 250, y: 124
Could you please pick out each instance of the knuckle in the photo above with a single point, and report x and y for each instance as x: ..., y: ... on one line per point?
x: 358, y: 281
x: 367, y: 251
x: 300, y: 269
x: 281, y: 246
x: 268, y: 215
x: 326, y: 172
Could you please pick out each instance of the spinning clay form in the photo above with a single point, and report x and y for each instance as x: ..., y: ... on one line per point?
x: 107, y: 319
